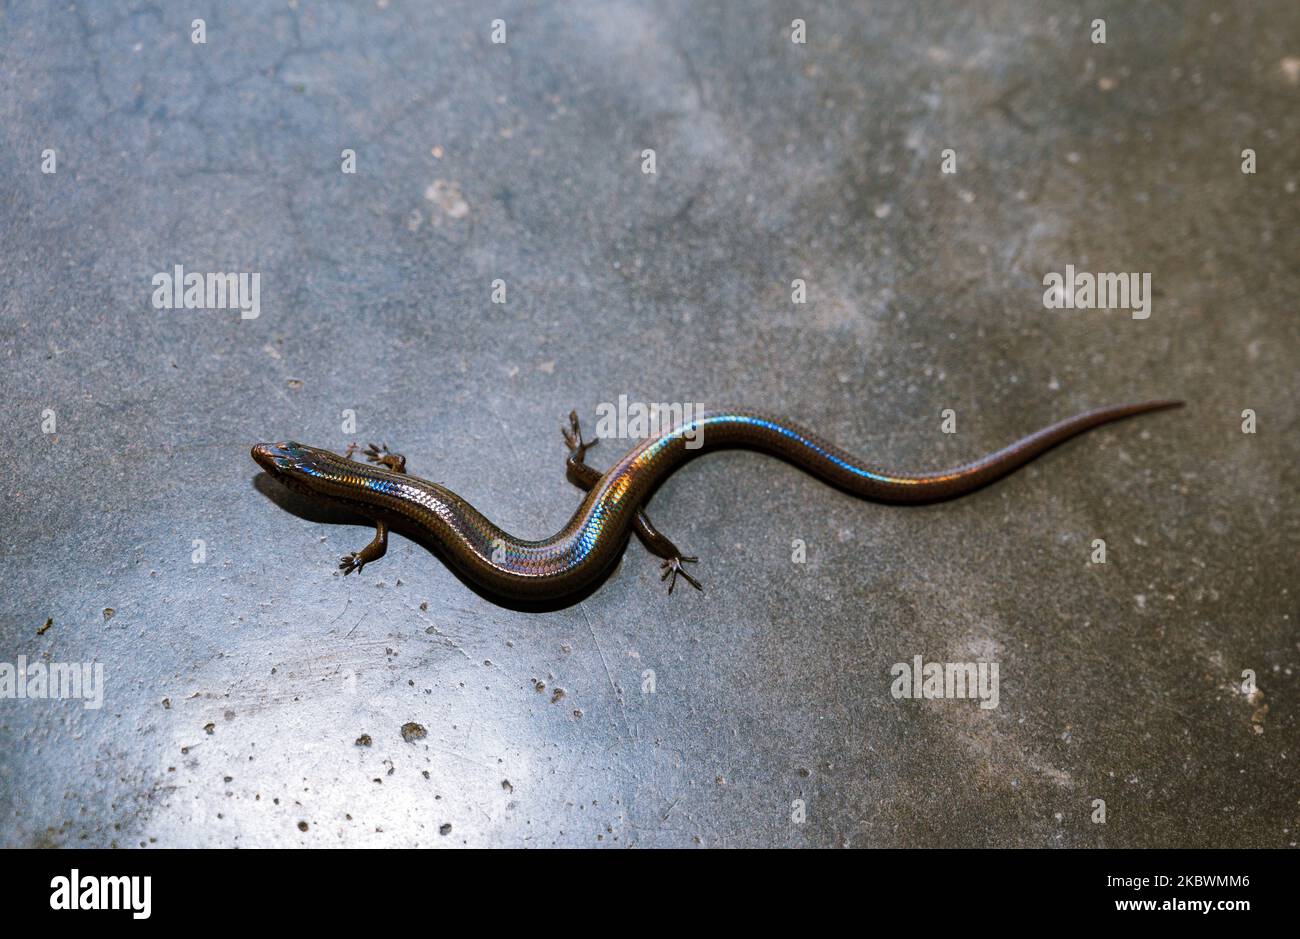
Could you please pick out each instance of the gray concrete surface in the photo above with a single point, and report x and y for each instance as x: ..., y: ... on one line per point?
x: 236, y: 689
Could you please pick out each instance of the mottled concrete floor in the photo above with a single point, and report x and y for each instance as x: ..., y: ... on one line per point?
x: 237, y: 689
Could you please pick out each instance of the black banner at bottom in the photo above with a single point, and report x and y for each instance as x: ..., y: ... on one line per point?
x: 228, y: 888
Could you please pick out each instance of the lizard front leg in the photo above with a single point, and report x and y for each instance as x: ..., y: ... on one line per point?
x: 378, y: 545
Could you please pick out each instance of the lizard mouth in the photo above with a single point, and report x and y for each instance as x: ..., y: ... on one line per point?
x: 275, y: 458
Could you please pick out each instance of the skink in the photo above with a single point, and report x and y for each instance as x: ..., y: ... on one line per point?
x: 580, y: 552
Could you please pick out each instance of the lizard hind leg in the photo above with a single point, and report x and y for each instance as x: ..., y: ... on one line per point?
x: 656, y: 542
x: 573, y: 440
x: 661, y: 545
x: 674, y: 566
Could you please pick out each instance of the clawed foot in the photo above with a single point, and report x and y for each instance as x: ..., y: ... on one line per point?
x: 351, y: 562
x: 573, y: 438
x: 674, y: 567
x: 379, y: 454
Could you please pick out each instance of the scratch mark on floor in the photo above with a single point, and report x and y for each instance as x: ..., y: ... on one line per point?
x: 608, y: 674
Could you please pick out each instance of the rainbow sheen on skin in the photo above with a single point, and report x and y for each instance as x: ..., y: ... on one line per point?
x: 595, y: 535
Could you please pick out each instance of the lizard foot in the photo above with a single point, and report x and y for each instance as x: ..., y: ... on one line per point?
x: 383, y: 456
x: 573, y: 439
x: 674, y: 567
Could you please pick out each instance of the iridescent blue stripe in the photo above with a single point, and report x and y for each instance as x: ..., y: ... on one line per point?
x: 787, y: 432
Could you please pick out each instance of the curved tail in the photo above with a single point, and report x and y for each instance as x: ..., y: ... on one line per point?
x: 845, y: 470
x: 981, y: 472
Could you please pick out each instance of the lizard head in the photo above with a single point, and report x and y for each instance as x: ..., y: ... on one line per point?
x: 296, y: 465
